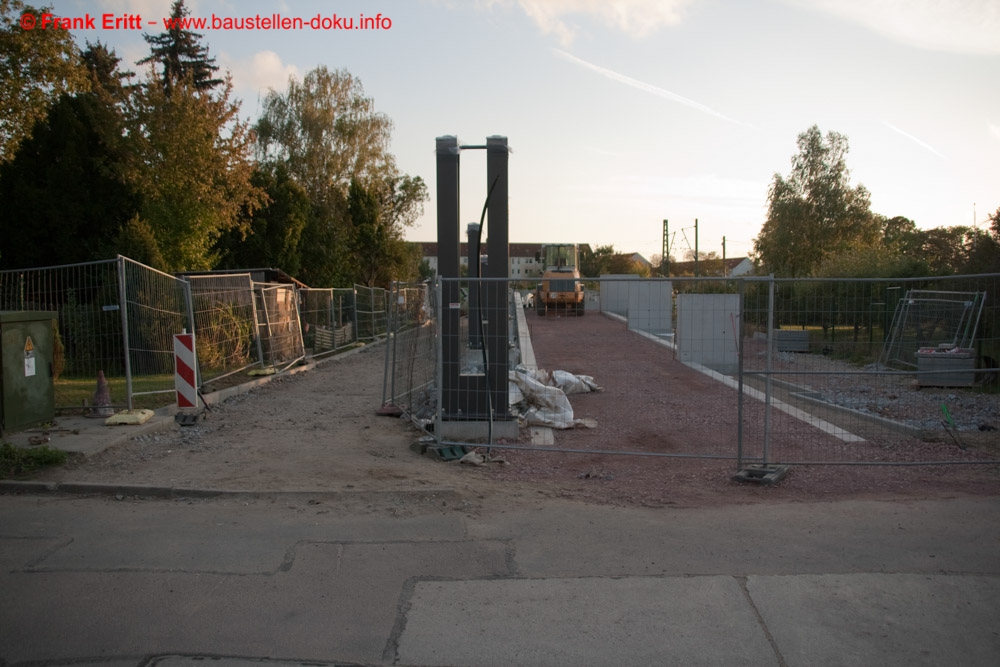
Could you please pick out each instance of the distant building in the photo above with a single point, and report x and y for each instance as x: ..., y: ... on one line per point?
x: 636, y: 258
x: 732, y: 267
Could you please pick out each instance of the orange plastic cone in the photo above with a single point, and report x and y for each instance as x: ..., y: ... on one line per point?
x: 101, y: 405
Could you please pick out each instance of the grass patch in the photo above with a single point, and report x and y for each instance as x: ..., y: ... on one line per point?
x: 17, y: 463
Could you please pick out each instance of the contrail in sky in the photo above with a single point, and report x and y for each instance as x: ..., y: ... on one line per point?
x: 913, y: 139
x: 643, y: 86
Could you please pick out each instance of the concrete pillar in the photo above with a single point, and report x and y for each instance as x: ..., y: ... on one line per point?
x: 449, y: 251
x: 497, y: 248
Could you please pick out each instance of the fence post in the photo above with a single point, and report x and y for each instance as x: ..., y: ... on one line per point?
x: 739, y: 379
x: 769, y: 368
x: 298, y: 322
x: 123, y: 307
x: 256, y: 324
x: 439, y: 360
x: 357, y: 330
x: 189, y: 303
x: 389, y: 385
x: 267, y: 320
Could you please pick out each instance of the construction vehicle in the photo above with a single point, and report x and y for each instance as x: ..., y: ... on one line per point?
x: 560, y: 289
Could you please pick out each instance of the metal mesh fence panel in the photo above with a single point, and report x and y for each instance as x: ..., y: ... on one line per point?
x: 345, y: 317
x: 279, y: 324
x: 411, y: 353
x: 156, y: 308
x: 88, y: 299
x: 748, y: 370
x: 327, y: 320
x: 603, y: 382
x: 931, y: 319
x: 816, y: 392
x: 474, y: 357
x: 665, y: 347
x: 225, y: 324
x: 371, y: 312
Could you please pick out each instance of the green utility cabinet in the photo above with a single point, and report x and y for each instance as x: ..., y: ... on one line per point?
x: 27, y: 390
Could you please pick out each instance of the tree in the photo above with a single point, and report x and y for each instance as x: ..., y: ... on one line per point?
x: 943, y: 249
x: 815, y: 212
x: 872, y: 262
x: 594, y: 262
x: 660, y: 268
x: 36, y: 67
x: 620, y: 263
x: 192, y: 168
x: 65, y: 188
x: 604, y: 260
x: 378, y: 212
x: 180, y: 54
x: 898, y: 233
x: 370, y: 243
x: 327, y: 134
x: 984, y: 255
x: 272, y: 235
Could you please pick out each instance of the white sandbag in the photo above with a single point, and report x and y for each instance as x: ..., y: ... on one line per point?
x: 574, y: 384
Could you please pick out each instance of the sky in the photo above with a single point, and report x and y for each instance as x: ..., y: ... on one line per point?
x: 622, y: 113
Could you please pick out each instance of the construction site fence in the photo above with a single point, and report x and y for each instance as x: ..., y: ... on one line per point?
x: 410, y: 380
x: 117, y: 318
x: 808, y: 371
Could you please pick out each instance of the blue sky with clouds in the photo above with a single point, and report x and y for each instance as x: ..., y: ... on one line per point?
x: 623, y: 113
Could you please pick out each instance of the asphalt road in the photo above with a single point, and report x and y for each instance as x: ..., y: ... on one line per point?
x: 432, y: 579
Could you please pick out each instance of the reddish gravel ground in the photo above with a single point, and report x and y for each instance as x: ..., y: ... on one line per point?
x: 652, y: 403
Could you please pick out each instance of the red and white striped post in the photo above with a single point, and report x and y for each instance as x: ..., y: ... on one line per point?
x: 184, y: 375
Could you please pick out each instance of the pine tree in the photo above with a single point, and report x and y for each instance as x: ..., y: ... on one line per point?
x: 181, y: 54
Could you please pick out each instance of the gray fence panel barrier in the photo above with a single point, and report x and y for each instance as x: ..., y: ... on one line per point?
x: 155, y: 308
x: 90, y: 336
x: 278, y: 316
x: 371, y: 313
x: 819, y: 390
x: 328, y: 320
x: 796, y: 364
x: 226, y: 336
x: 410, y: 383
